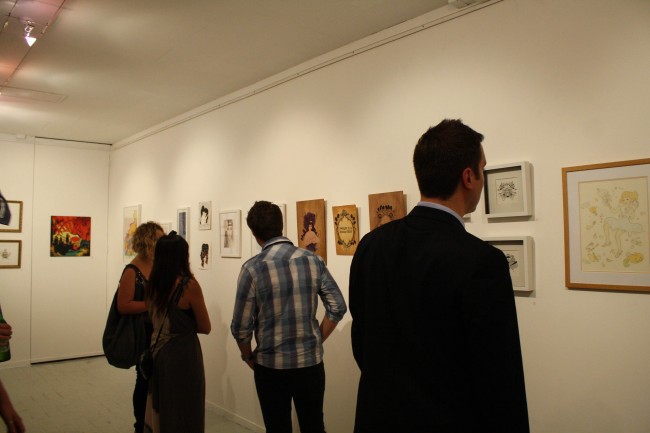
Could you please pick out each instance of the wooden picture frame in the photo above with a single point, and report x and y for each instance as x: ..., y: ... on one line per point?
x: 346, y: 229
x: 519, y: 253
x: 508, y: 191
x: 606, y: 226
x: 10, y: 254
x: 183, y: 223
x: 385, y: 207
x: 16, y: 223
x: 310, y: 222
x: 230, y: 233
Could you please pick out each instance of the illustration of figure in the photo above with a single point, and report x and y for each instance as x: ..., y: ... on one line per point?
x: 229, y: 234
x: 384, y: 214
x: 205, y: 253
x: 309, y: 236
x: 128, y: 236
x: 628, y: 204
x: 205, y: 218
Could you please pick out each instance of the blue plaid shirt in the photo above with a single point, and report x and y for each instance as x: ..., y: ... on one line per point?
x: 277, y: 299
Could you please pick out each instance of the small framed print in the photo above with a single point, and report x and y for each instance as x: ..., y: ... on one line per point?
x: 606, y: 226
x: 10, y: 252
x: 230, y: 228
x: 519, y: 253
x: 15, y: 209
x: 508, y: 190
x: 205, y: 215
x: 182, y: 223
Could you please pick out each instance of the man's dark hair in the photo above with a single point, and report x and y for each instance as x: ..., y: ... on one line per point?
x: 265, y: 220
x: 441, y: 155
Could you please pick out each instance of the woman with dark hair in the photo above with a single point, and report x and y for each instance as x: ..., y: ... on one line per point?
x: 130, y: 300
x: 176, y: 400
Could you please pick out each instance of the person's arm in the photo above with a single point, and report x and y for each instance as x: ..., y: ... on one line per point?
x: 243, y: 318
x: 197, y: 303
x: 9, y: 415
x: 247, y: 353
x: 333, y: 301
x: 125, y: 294
x: 326, y: 327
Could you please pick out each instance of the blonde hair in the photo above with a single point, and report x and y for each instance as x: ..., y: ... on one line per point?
x: 145, y: 237
x: 632, y: 195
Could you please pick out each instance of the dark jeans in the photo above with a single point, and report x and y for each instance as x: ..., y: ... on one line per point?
x: 139, y: 399
x: 276, y: 389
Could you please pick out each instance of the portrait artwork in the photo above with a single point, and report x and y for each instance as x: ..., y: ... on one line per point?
x: 310, y: 217
x: 205, y: 215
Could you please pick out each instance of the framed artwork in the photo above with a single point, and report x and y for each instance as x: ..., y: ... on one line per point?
x: 182, y: 221
x: 508, y: 190
x: 14, y: 211
x: 166, y: 226
x: 519, y: 253
x: 310, y: 217
x: 346, y: 229
x: 386, y: 207
x: 70, y: 236
x: 10, y: 252
x: 205, y: 256
x: 205, y: 215
x: 606, y: 226
x: 230, y: 228
x: 131, y: 219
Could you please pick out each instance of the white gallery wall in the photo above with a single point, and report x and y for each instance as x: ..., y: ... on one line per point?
x: 550, y: 82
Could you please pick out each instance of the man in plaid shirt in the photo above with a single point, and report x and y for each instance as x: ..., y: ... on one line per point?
x: 277, y: 299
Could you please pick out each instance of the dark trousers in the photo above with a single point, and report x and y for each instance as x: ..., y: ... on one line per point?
x: 275, y: 390
x: 139, y: 399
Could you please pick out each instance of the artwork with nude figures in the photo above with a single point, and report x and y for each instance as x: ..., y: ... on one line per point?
x: 310, y: 217
x: 386, y: 207
x: 614, y: 225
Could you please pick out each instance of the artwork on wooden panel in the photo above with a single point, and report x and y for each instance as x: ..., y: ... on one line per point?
x: 205, y: 215
x: 130, y: 222
x: 70, y: 236
x: 386, y: 207
x: 346, y: 229
x: 310, y: 217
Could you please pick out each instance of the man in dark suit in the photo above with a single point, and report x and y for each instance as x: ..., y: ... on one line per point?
x: 434, y: 328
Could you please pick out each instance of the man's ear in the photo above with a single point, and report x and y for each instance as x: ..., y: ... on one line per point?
x: 468, y: 178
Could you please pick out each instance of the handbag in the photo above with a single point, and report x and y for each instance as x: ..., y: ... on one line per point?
x: 124, y: 336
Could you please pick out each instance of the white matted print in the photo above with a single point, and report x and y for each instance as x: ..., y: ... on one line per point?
x: 182, y: 223
x: 205, y: 255
x: 230, y: 233
x: 10, y: 252
x: 205, y: 215
x: 519, y: 253
x: 508, y: 190
x: 15, y: 223
x: 131, y: 219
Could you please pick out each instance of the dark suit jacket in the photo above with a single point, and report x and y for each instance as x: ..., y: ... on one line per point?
x: 434, y: 331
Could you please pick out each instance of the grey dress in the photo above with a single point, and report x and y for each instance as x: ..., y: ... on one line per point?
x: 177, y: 387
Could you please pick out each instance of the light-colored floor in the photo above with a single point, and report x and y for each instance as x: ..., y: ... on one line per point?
x: 82, y: 396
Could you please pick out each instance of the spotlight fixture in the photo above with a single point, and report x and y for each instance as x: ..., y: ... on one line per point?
x: 28, y: 33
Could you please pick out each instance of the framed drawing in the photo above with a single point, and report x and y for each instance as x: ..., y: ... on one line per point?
x: 230, y: 227
x: 519, y: 253
x: 346, y: 229
x: 70, y: 236
x: 385, y: 207
x: 10, y: 252
x: 14, y: 214
x: 182, y: 221
x: 508, y: 190
x: 131, y: 216
x: 205, y: 215
x: 310, y: 217
x: 205, y: 256
x: 606, y: 226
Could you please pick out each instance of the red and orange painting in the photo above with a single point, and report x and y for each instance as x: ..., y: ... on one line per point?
x: 70, y: 236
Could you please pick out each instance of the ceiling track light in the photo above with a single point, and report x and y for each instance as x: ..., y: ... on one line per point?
x: 29, y: 27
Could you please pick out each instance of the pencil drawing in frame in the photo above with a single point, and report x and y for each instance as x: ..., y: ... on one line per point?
x: 310, y: 221
x: 230, y: 229
x: 507, y: 190
x: 385, y: 207
x: 346, y: 229
x: 16, y: 222
x: 519, y: 254
x: 205, y: 215
x: 606, y: 225
x: 182, y: 223
x: 10, y: 254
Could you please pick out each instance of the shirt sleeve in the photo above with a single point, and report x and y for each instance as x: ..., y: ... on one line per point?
x: 243, y: 318
x: 330, y: 294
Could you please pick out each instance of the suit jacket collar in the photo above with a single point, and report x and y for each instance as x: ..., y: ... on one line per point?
x: 422, y: 216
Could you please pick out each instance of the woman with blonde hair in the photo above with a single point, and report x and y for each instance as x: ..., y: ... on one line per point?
x: 130, y: 300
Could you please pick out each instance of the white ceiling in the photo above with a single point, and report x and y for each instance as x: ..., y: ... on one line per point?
x: 109, y: 69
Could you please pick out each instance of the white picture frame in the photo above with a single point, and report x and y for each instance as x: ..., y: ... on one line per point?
x: 230, y: 233
x: 519, y: 252
x: 508, y: 190
x: 10, y: 254
x: 183, y: 223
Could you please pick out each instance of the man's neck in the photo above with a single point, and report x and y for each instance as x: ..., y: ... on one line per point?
x: 452, y: 203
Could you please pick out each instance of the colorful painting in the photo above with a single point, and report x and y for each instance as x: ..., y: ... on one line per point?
x: 70, y: 236
x: 130, y: 222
